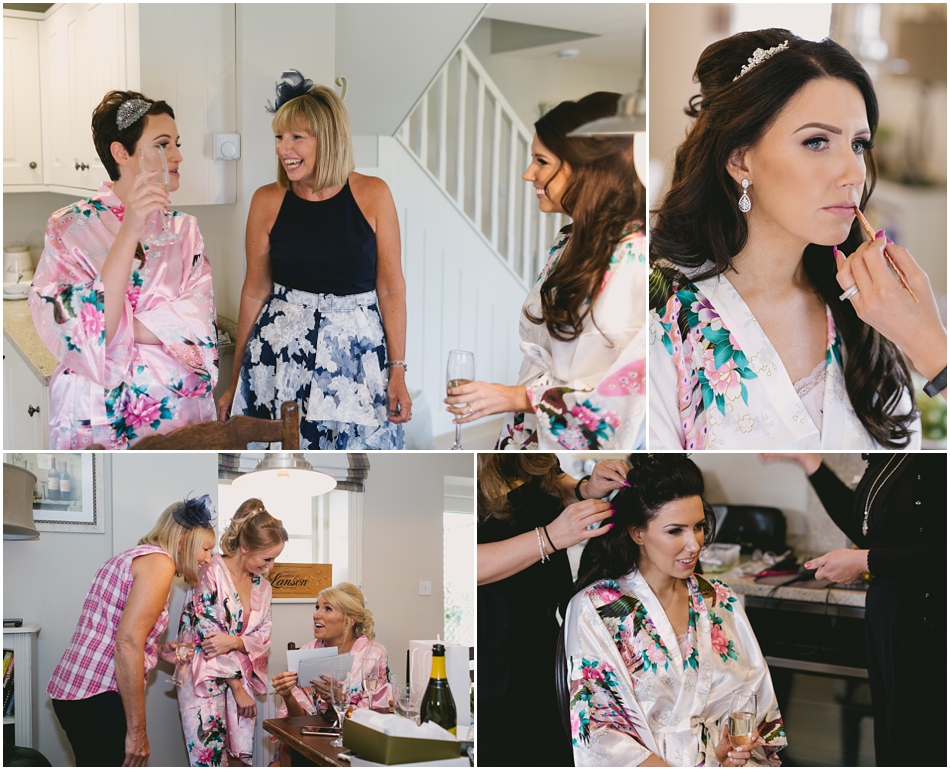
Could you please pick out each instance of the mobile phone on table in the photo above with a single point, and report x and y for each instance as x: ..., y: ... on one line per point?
x: 317, y: 730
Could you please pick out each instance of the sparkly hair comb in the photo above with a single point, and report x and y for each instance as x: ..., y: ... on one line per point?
x: 759, y: 56
x: 130, y: 112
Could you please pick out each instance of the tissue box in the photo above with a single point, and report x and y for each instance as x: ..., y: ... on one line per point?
x: 375, y: 746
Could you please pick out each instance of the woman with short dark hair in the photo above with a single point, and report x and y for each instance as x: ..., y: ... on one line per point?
x: 131, y: 323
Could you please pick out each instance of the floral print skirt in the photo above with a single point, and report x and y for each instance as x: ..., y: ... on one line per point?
x: 328, y: 353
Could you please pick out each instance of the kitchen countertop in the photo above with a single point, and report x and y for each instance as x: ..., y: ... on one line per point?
x: 746, y: 586
x: 19, y: 330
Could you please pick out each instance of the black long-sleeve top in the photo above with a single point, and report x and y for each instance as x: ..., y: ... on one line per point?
x: 907, y: 521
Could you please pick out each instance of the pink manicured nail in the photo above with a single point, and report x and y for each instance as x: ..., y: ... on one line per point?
x: 878, y: 234
x: 610, y: 526
x: 627, y: 484
x: 837, y: 253
x: 889, y: 240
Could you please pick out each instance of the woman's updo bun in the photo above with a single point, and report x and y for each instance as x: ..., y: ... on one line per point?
x: 655, y: 480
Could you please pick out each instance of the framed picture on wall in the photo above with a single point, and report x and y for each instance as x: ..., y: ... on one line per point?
x: 69, y: 491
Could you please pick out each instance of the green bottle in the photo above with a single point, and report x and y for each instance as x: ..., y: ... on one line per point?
x: 438, y: 705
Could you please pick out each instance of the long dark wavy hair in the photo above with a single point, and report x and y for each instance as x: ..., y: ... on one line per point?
x: 500, y: 472
x: 603, y: 197
x: 655, y: 480
x: 699, y: 220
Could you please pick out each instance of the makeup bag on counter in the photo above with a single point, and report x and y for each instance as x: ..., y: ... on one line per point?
x: 751, y: 527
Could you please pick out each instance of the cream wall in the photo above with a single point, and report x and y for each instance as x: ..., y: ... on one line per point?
x: 527, y: 82
x: 744, y: 479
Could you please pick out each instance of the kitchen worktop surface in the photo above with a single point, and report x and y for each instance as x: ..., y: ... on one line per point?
x: 18, y: 328
x: 747, y: 586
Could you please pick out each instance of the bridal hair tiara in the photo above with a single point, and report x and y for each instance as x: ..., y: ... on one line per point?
x: 130, y: 111
x: 759, y: 56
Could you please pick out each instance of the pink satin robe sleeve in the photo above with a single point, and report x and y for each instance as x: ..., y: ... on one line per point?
x: 114, y: 393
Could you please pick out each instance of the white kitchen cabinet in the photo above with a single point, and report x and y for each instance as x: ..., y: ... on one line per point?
x: 22, y: 144
x: 25, y: 403
x: 182, y: 53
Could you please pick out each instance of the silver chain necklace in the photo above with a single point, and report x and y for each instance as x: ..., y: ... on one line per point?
x: 873, y: 494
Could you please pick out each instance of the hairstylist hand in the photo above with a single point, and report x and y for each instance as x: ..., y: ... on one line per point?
x: 571, y: 526
x: 606, y: 477
x: 843, y: 565
x: 883, y: 303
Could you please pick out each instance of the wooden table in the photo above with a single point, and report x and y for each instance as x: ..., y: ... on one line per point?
x: 305, y: 750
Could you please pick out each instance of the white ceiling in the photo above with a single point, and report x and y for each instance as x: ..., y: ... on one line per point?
x: 619, y: 28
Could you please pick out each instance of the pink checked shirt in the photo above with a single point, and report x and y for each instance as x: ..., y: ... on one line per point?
x: 87, y: 667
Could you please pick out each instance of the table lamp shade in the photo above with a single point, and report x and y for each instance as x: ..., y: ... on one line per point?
x: 923, y: 45
x: 18, y: 486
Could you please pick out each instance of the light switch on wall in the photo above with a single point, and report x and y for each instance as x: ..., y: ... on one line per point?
x: 425, y: 588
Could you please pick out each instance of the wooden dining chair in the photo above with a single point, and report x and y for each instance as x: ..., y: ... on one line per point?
x: 236, y: 433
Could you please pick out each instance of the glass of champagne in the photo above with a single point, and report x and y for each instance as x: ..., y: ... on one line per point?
x: 459, y: 370
x: 186, y: 644
x: 340, y: 700
x: 152, y: 158
x: 371, y: 677
x: 742, y: 713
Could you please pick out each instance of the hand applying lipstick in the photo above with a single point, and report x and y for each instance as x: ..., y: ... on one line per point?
x: 909, y: 319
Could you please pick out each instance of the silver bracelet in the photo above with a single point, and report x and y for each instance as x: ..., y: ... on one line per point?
x: 544, y: 556
x: 398, y: 363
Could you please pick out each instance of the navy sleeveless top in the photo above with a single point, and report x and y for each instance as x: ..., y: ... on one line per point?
x: 323, y: 247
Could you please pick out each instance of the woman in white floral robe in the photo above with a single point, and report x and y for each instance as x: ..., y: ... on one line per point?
x: 655, y: 651
x: 717, y: 382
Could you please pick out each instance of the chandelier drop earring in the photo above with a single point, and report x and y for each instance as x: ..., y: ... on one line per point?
x: 745, y: 202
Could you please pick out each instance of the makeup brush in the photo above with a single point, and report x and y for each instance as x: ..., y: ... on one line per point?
x: 870, y: 231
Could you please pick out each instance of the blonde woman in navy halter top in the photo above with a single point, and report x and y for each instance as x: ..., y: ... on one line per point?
x: 323, y: 307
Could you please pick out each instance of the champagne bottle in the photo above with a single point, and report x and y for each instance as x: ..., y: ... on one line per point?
x: 438, y: 705
x: 52, y: 482
x: 65, y: 483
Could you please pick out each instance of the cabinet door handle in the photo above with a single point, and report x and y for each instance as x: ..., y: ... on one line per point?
x: 33, y: 165
x: 33, y: 410
x: 77, y: 165
x: 85, y: 166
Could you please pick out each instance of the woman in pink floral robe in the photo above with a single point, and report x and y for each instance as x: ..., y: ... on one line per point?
x: 209, y: 713
x: 156, y: 370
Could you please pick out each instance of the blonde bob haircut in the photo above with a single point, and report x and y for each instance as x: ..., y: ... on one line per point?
x: 319, y: 112
x: 348, y: 599
x: 179, y: 542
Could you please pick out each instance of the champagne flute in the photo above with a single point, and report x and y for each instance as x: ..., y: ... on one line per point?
x: 371, y: 678
x: 340, y: 700
x: 152, y: 158
x: 186, y: 644
x: 459, y: 370
x: 742, y: 713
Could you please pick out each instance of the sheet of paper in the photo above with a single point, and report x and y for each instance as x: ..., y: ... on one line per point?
x: 295, y: 656
x: 314, y: 668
